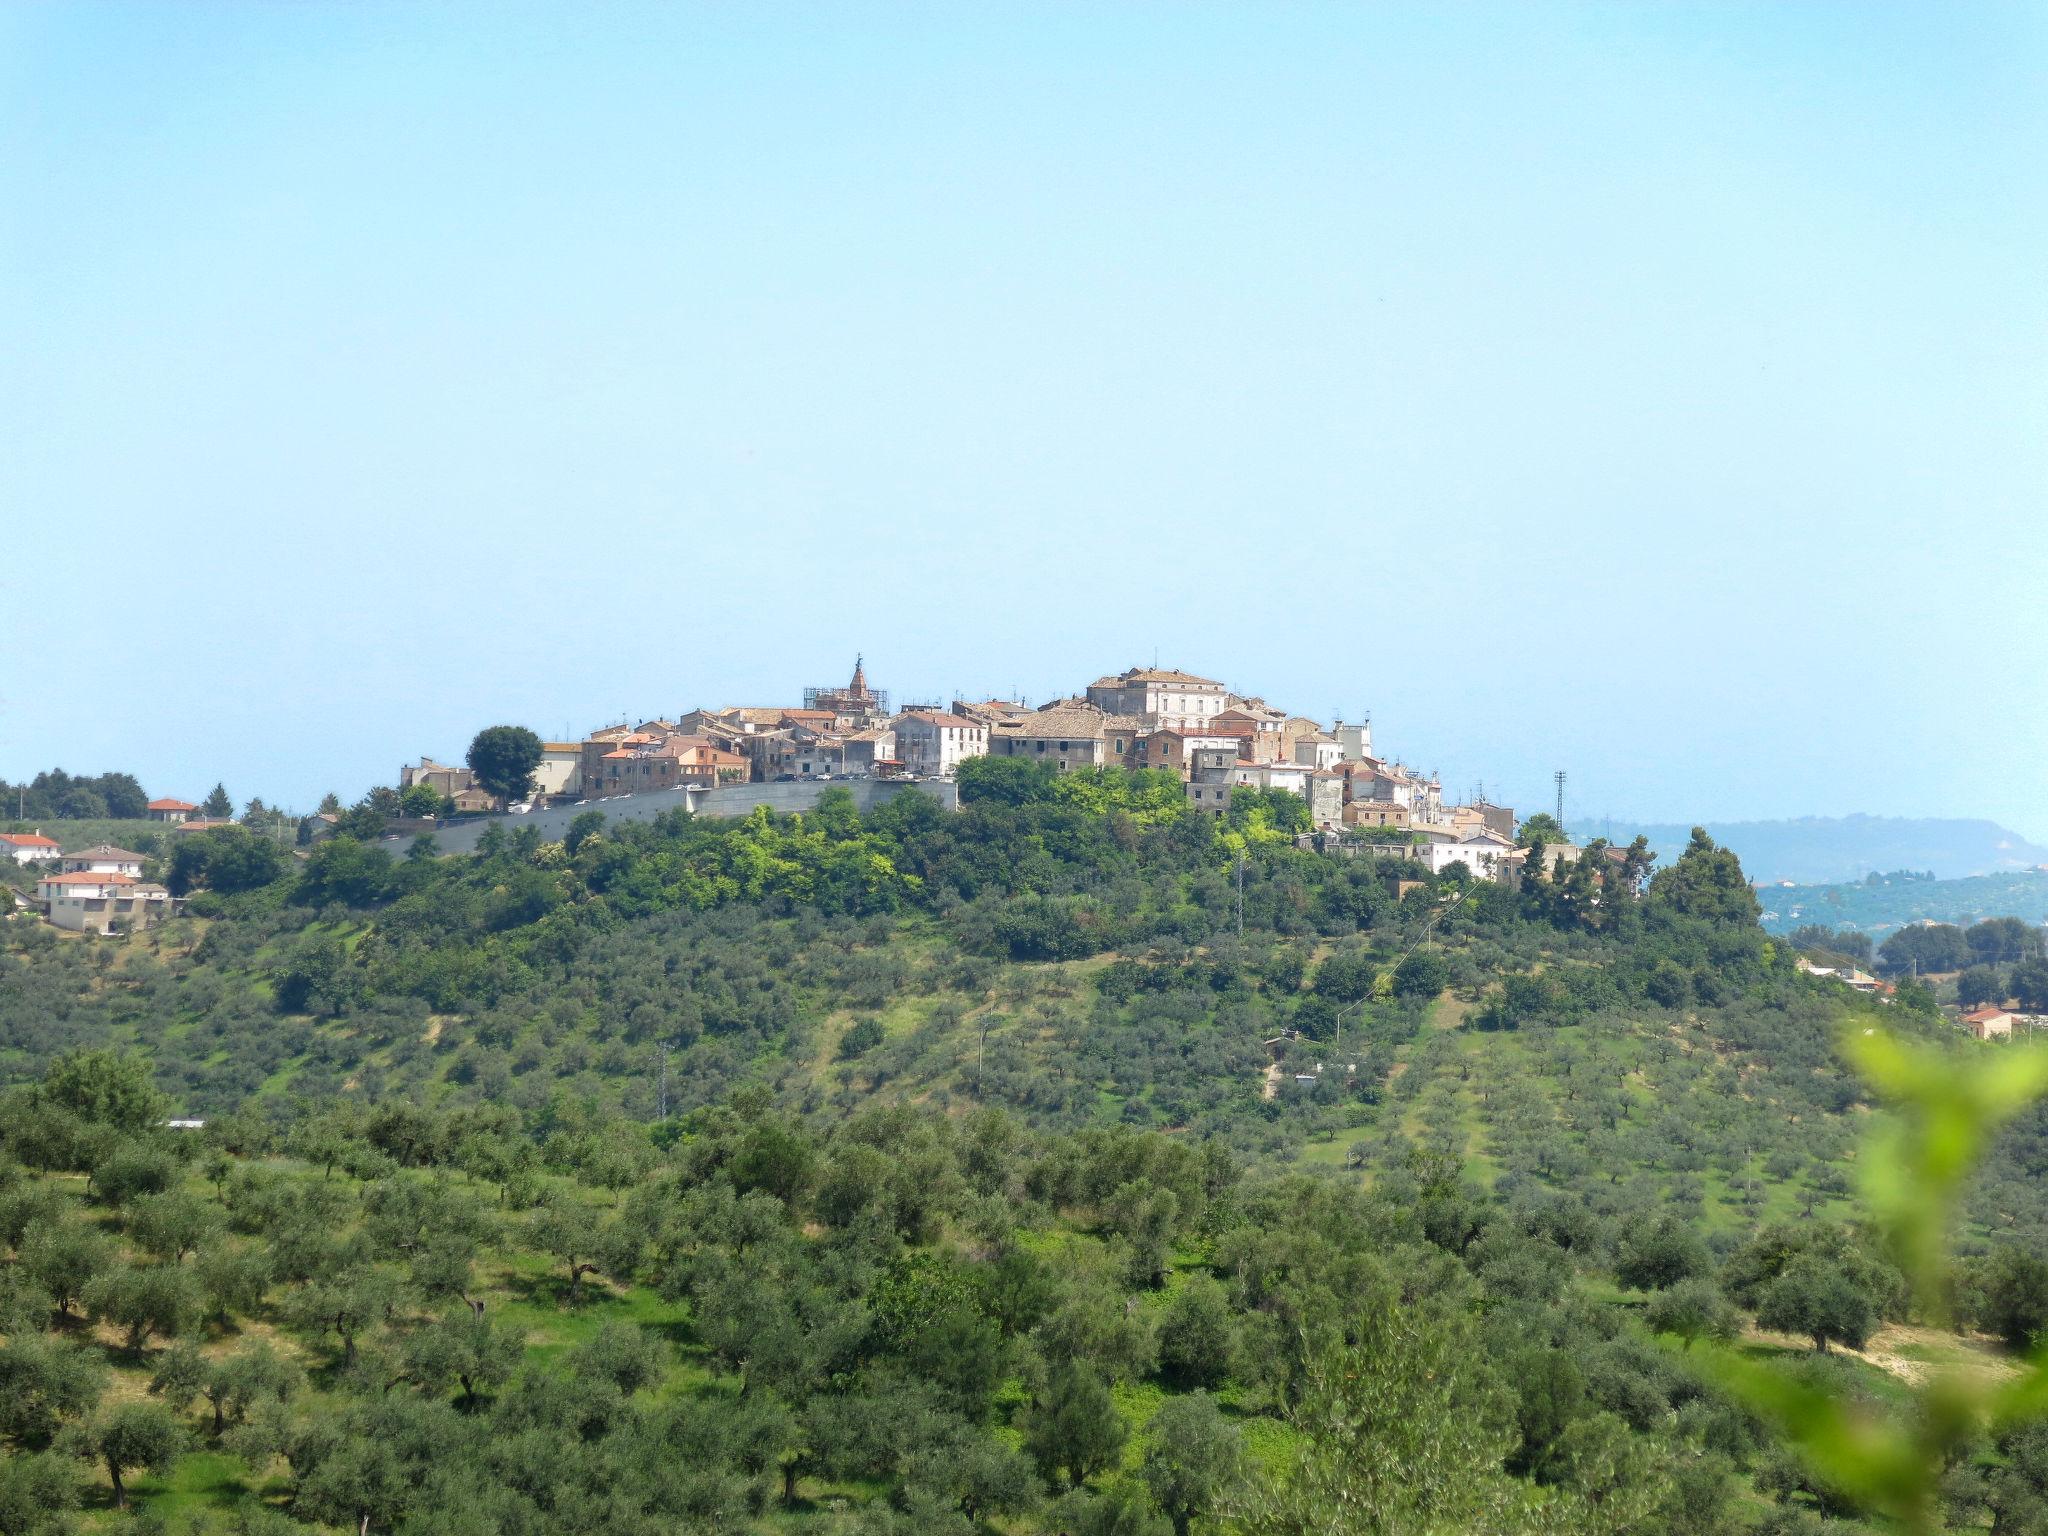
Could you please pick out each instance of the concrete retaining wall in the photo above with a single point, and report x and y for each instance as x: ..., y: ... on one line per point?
x: 729, y: 800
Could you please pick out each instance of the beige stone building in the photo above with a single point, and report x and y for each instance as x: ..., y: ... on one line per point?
x: 1066, y: 734
x: 443, y: 779
x: 84, y: 901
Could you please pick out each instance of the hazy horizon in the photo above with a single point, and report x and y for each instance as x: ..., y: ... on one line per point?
x: 1652, y: 393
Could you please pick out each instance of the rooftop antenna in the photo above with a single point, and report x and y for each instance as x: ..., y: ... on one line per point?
x: 1559, y: 777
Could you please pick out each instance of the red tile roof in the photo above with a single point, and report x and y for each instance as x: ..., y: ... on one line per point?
x: 88, y: 877
x: 172, y: 805
x: 28, y: 840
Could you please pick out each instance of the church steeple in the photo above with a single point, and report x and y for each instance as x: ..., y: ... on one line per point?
x: 858, y: 688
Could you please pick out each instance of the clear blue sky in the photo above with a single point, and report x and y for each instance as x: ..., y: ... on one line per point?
x: 1653, y: 391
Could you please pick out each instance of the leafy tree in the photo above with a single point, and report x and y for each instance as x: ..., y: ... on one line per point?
x: 1980, y: 984
x: 133, y: 1437
x: 1924, y: 948
x: 2003, y: 941
x: 627, y: 1357
x: 130, y: 1170
x: 174, y: 1225
x: 1820, y: 1299
x: 225, y: 859
x: 1197, y: 1340
x: 1423, y: 974
x: 1835, y: 1289
x: 1707, y: 884
x: 1071, y: 1425
x: 503, y: 758
x: 473, y: 1351
x: 1659, y: 1251
x: 1121, y: 1509
x: 44, y: 1381
x: 572, y: 1231
x: 37, y: 1495
x: 422, y: 801
x: 2030, y: 985
x: 862, y: 1037
x: 1847, y: 943
x: 154, y: 1300
x: 1401, y: 1430
x: 2012, y: 1295
x: 218, y: 805
x: 1550, y: 1392
x: 585, y: 826
x: 105, y: 1087
x: 344, y: 870
x: 346, y: 1303
x: 63, y: 1258
x: 977, y: 1475
x: 1194, y: 1460
x: 1692, y: 1309
x: 1012, y: 781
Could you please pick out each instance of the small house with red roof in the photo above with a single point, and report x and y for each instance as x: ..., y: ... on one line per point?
x: 171, y: 810
x: 1989, y: 1023
x: 29, y: 847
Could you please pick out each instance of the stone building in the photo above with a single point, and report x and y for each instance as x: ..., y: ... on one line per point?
x: 1159, y: 698
x: 1067, y: 734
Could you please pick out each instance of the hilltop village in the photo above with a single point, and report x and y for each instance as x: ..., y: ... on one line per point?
x: 1214, y: 740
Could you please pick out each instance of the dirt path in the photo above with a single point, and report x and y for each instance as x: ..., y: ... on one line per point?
x: 1271, y: 1087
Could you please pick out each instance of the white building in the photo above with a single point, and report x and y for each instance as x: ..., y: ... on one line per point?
x: 559, y: 773
x: 1289, y: 776
x: 1485, y: 853
x: 28, y: 847
x: 1160, y: 699
x: 101, y: 859
x: 932, y: 745
x: 1355, y: 741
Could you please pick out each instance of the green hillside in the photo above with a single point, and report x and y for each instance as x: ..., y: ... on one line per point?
x: 1012, y: 1170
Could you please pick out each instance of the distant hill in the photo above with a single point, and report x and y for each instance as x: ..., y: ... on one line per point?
x: 1878, y: 909
x: 1820, y: 850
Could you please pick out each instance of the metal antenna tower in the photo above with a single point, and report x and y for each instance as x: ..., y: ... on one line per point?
x: 1559, y: 776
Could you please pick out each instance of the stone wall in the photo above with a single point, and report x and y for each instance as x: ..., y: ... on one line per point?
x: 727, y: 800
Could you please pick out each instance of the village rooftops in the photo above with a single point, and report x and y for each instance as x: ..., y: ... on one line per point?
x: 88, y: 877
x: 940, y: 719
x: 106, y: 851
